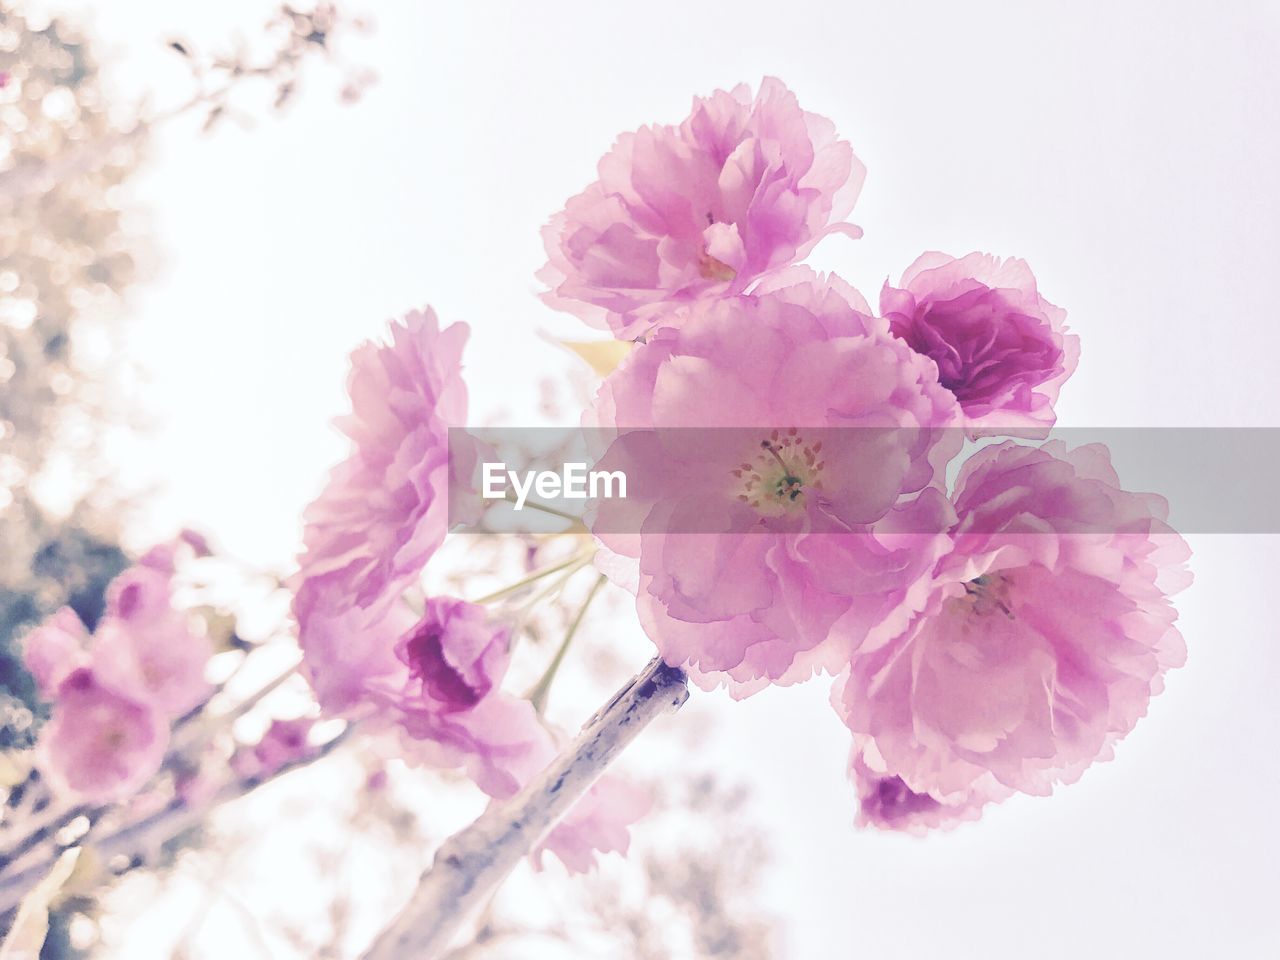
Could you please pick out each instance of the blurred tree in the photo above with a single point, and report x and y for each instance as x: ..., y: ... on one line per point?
x: 64, y: 259
x: 67, y: 258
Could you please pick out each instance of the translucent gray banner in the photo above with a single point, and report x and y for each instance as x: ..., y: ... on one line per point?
x: 715, y: 480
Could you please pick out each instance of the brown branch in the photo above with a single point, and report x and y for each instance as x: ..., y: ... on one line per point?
x: 470, y: 865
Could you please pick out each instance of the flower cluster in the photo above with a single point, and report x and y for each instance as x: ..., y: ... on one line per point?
x: 433, y: 679
x: 116, y: 692
x: 995, y: 637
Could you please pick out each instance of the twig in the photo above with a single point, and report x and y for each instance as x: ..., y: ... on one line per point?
x: 578, y: 559
x: 43, y: 832
x: 470, y: 865
x: 151, y: 832
x: 186, y: 732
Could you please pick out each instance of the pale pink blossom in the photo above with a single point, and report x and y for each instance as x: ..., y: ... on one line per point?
x: 598, y: 823
x: 885, y: 802
x: 743, y: 187
x: 143, y: 647
x: 283, y: 743
x: 343, y: 657
x: 1047, y: 630
x: 147, y: 648
x: 54, y: 649
x: 499, y: 743
x: 780, y: 445
x: 1000, y: 347
x: 114, y: 693
x: 385, y: 509
x: 100, y: 745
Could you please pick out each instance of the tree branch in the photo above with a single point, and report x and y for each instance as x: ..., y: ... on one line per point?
x: 470, y: 865
x: 149, y: 833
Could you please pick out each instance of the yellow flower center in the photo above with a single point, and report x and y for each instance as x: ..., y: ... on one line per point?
x: 988, y: 593
x: 777, y: 478
x: 713, y: 269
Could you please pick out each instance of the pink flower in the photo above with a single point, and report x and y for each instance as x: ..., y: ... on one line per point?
x: 740, y: 189
x: 386, y: 508
x: 284, y: 742
x: 885, y: 802
x: 436, y: 681
x: 597, y: 823
x: 145, y: 647
x: 54, y: 649
x: 454, y: 654
x: 1000, y: 347
x: 114, y: 693
x: 499, y: 743
x: 1047, y: 630
x: 778, y: 443
x: 444, y: 700
x: 99, y: 745
x: 343, y: 658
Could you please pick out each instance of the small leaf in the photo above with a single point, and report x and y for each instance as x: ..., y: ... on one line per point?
x: 603, y: 356
x: 12, y: 770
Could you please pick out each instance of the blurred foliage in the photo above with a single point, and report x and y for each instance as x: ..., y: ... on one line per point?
x: 64, y: 260
x: 67, y: 257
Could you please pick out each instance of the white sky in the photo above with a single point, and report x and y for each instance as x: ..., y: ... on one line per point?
x: 1128, y: 151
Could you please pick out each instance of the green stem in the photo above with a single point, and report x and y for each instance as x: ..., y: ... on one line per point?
x: 577, y: 558
x: 538, y: 695
x: 535, y: 505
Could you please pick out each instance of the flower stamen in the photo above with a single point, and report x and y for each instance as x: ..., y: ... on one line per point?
x: 777, y: 479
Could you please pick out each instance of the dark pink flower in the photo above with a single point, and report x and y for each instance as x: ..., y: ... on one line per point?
x: 439, y: 688
x: 454, y: 654
x: 1047, y: 630
x: 743, y: 187
x: 999, y: 346
x: 435, y: 682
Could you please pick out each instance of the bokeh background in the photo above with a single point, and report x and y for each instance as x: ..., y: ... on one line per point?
x: 1127, y: 151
